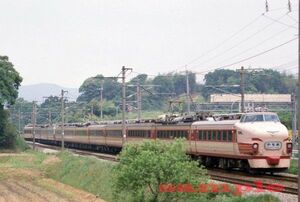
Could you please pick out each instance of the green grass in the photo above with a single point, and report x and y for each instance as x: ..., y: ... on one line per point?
x: 87, y: 173
x: 91, y: 174
x: 20, y: 144
x: 250, y: 198
x: 293, y: 167
x: 28, y: 159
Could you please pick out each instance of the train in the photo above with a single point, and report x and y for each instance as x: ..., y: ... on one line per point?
x: 255, y: 141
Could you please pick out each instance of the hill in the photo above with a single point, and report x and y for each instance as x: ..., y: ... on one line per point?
x: 38, y: 91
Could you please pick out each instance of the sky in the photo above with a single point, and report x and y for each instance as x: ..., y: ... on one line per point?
x: 66, y: 41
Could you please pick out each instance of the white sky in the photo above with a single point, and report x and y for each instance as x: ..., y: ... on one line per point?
x: 67, y: 41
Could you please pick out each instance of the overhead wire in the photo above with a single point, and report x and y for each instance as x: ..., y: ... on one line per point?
x: 253, y: 56
x: 282, y: 23
x: 241, y: 42
x: 292, y: 18
x: 224, y: 41
x: 258, y: 44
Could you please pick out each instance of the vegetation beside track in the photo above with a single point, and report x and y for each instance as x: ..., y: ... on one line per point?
x: 293, y: 167
x: 100, y: 177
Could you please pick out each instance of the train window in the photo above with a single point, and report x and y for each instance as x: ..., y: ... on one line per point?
x: 224, y: 135
x: 271, y: 117
x: 181, y: 135
x: 159, y: 134
x: 213, y: 135
x: 199, y: 134
x: 219, y: 135
x: 204, y: 135
x: 208, y: 135
x: 229, y: 135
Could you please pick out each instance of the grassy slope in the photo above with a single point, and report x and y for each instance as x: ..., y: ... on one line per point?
x: 293, y: 167
x: 88, y: 173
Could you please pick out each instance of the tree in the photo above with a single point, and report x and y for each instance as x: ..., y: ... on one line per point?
x: 21, y: 113
x: 143, y: 168
x: 265, y: 81
x: 90, y: 89
x: 10, y: 81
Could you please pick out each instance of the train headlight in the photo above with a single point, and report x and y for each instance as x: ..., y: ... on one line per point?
x: 289, y: 147
x: 255, y: 147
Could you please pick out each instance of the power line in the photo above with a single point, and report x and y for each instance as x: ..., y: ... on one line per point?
x: 241, y: 42
x: 259, y: 44
x: 253, y: 56
x: 282, y: 23
x: 224, y: 41
x: 292, y: 18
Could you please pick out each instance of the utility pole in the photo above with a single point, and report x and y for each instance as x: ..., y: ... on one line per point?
x: 19, y: 120
x: 242, y: 86
x: 101, y: 101
x: 298, y: 100
x: 242, y: 72
x: 139, y: 99
x: 188, y: 93
x: 63, y: 119
x: 49, y: 118
x: 294, y: 119
x: 124, y: 70
x: 138, y: 94
x: 33, y: 123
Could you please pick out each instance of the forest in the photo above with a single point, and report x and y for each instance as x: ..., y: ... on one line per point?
x: 156, y: 93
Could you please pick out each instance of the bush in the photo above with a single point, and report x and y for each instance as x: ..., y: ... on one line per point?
x: 20, y: 144
x: 7, y: 131
x: 143, y: 168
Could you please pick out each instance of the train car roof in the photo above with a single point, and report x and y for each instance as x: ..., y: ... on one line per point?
x: 225, y: 122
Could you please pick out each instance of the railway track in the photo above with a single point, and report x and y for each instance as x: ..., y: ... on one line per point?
x: 235, y: 177
x: 286, y: 184
x: 102, y: 156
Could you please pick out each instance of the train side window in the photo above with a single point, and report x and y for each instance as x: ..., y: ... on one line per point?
x: 203, y: 133
x: 213, y: 135
x: 199, y: 134
x: 229, y: 135
x: 224, y: 135
x: 208, y: 135
x: 219, y: 135
x: 184, y: 134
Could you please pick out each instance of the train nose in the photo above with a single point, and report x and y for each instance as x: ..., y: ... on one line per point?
x: 273, y: 160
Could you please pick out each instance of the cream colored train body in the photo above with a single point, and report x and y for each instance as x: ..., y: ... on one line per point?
x: 256, y: 141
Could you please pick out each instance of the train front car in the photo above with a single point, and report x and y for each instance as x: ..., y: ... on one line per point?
x: 263, y: 140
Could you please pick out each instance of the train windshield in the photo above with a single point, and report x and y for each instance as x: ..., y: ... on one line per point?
x: 259, y: 118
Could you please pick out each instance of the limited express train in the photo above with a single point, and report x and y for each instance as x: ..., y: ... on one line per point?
x: 256, y: 141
